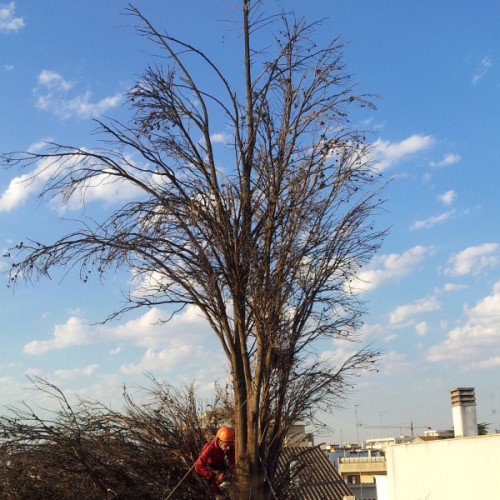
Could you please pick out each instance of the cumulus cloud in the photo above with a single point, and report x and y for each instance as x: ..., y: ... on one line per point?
x: 421, y: 328
x: 220, y: 138
x: 72, y: 333
x: 12, y: 391
x: 386, y: 153
x: 147, y: 331
x: 3, y: 263
x: 474, y: 260
x: 477, y: 341
x: 179, y: 348
x: 103, y: 187
x: 484, y: 67
x: 9, y: 23
x: 447, y: 198
x: 151, y: 332
x: 448, y: 159
x: 53, y: 81
x: 485, y: 364
x: 390, y: 268
x: 169, y: 359
x: 406, y: 312
x: 453, y: 287
x: 21, y: 187
x: 52, y: 92
x: 182, y: 355
x: 370, y: 333
x: 431, y: 221
x: 395, y: 363
x: 76, y: 372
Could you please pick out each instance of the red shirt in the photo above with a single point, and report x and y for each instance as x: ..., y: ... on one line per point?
x: 211, y: 459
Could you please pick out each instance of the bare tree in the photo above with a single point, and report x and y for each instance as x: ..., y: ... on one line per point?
x: 267, y: 248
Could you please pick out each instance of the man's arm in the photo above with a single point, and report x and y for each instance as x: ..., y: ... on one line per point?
x: 201, y: 466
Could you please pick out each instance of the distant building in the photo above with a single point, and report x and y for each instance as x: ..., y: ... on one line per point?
x: 214, y: 418
x: 382, y: 443
x: 445, y: 434
x: 358, y: 470
x: 297, y: 436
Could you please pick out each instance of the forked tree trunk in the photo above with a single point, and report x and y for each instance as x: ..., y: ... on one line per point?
x: 249, y: 481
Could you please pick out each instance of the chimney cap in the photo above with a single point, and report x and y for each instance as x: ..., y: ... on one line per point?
x: 463, y: 396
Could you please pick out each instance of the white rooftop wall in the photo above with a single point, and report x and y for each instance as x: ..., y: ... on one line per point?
x: 459, y: 469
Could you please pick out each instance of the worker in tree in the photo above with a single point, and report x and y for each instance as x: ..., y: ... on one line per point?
x: 216, y: 460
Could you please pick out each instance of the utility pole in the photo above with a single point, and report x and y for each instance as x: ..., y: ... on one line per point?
x: 356, y: 421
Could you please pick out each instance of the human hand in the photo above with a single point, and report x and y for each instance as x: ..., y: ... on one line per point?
x: 220, y: 478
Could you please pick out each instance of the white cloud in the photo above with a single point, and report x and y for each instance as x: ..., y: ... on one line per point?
x: 394, y: 363
x: 102, y: 187
x: 20, y: 188
x: 407, y: 311
x: 485, y: 364
x: 484, y: 67
x: 453, y: 287
x: 421, y: 328
x: 12, y: 391
x: 9, y: 23
x: 179, y: 348
x: 387, y: 153
x: 474, y: 260
x: 52, y: 96
x: 220, y: 138
x: 390, y: 268
x: 477, y: 342
x: 76, y: 372
x: 431, y: 221
x: 447, y: 198
x: 8, y: 67
x: 448, y: 159
x: 53, y: 81
x: 150, y: 332
x: 16, y: 193
x: 168, y: 359
x: 187, y: 355
x: 72, y: 333
x: 3, y: 263
x: 147, y: 331
x: 182, y: 360
x: 369, y: 333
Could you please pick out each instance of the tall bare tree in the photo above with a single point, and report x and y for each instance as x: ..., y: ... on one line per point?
x: 266, y: 248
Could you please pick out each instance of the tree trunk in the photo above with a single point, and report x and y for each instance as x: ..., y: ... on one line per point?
x: 249, y: 481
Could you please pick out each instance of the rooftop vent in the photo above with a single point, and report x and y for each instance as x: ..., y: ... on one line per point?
x: 463, y: 408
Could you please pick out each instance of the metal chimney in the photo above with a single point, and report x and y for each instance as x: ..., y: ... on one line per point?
x: 463, y: 408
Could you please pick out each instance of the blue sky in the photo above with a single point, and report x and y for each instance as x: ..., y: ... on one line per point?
x: 434, y: 288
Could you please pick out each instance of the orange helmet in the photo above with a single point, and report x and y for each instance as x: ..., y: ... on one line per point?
x: 225, y: 434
